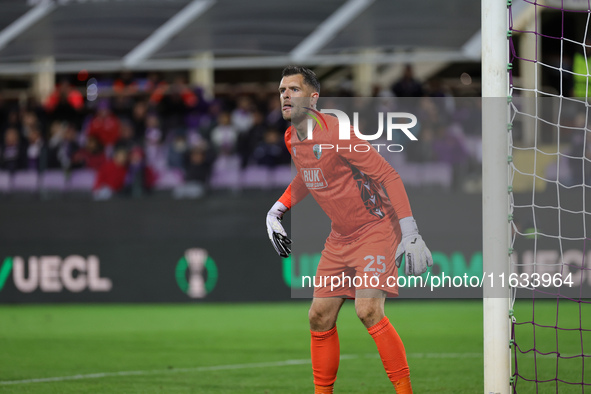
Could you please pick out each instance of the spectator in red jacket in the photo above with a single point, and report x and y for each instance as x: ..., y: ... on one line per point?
x: 91, y: 156
x: 111, y: 176
x: 104, y: 125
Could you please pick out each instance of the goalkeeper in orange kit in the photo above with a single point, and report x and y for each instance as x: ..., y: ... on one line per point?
x: 370, y: 232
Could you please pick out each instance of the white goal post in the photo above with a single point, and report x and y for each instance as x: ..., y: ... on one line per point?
x: 495, y: 197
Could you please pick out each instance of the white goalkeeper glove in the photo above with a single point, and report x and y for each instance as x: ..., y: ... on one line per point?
x: 276, y: 232
x: 417, y: 255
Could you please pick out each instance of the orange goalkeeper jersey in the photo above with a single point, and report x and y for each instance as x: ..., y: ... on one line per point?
x: 345, y: 177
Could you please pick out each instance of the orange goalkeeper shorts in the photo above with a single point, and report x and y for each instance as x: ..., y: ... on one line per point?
x: 364, y: 262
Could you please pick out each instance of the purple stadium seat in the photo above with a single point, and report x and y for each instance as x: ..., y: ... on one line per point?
x: 82, y: 180
x: 25, y: 181
x: 225, y: 179
x: 54, y: 180
x: 281, y: 176
x: 227, y: 163
x: 254, y: 177
x: 4, y: 181
x: 168, y: 179
x: 226, y: 173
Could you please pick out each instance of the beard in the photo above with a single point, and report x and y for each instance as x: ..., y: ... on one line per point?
x: 298, y: 111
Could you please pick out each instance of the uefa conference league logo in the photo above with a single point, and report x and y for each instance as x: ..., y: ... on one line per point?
x: 190, y: 273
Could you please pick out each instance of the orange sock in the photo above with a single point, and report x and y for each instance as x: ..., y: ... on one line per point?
x: 393, y: 355
x: 323, y: 389
x: 326, y: 351
x: 403, y: 386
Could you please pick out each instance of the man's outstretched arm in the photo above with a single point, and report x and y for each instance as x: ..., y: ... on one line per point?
x: 295, y: 192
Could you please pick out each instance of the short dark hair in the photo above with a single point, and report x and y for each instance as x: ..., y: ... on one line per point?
x: 309, y: 75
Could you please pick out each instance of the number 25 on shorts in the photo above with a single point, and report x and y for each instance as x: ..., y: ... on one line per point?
x: 375, y: 264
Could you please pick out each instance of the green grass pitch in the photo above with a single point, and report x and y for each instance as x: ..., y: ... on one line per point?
x: 237, y: 348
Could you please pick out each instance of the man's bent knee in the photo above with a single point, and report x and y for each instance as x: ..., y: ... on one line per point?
x: 320, y: 321
x: 369, y: 311
x: 323, y: 315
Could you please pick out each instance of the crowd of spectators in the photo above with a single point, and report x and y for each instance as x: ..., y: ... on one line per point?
x: 138, y: 131
x: 142, y: 127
